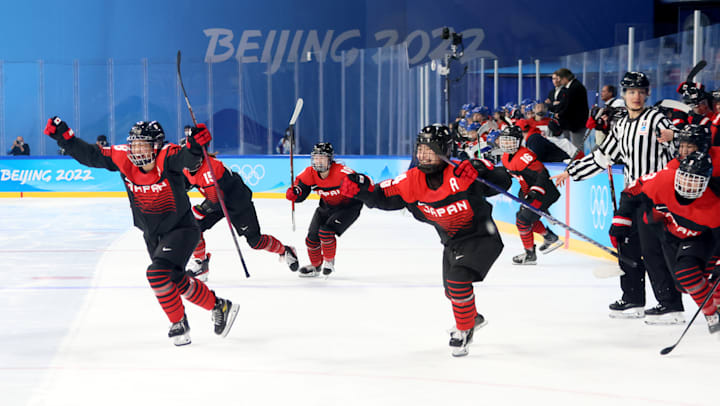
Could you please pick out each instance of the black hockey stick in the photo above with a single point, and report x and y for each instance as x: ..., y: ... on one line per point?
x: 221, y: 199
x: 695, y: 70
x: 667, y: 350
x: 293, y: 119
x: 550, y: 218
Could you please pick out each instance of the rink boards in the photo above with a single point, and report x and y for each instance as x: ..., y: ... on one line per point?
x: 585, y: 206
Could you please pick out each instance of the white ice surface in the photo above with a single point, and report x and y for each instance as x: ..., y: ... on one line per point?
x: 81, y: 325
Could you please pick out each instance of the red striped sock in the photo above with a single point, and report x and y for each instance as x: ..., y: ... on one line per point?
x: 539, y: 228
x: 463, y: 303
x: 166, y: 293
x: 270, y: 243
x: 695, y: 284
x: 199, y: 252
x: 328, y: 243
x: 314, y: 252
x: 196, y: 292
x: 526, y: 234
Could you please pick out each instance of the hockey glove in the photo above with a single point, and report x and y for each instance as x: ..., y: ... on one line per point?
x: 620, y: 229
x: 197, y: 137
x: 590, y: 123
x: 465, y: 171
x: 355, y: 183
x: 293, y: 193
x: 482, y: 166
x: 58, y: 129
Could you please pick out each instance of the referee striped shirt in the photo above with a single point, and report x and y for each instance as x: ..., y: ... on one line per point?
x: 632, y: 142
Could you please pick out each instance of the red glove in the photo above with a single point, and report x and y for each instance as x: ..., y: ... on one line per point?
x: 56, y: 128
x: 354, y: 183
x: 293, y: 193
x: 198, y: 137
x: 465, y: 171
x: 590, y: 123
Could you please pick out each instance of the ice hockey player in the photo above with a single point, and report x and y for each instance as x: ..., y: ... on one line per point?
x: 151, y: 170
x: 536, y: 189
x: 449, y: 199
x: 240, y: 207
x: 334, y: 214
x: 680, y: 201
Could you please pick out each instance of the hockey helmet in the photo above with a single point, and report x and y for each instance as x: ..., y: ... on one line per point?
x: 635, y: 80
x: 437, y: 138
x: 322, y: 149
x: 145, y: 139
x: 693, y: 175
x: 509, y: 139
x: 698, y: 135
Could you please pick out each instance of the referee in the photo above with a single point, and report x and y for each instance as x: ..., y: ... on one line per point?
x: 642, y: 141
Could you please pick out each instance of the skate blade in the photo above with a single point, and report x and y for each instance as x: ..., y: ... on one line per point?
x: 665, y: 319
x: 552, y: 247
x: 607, y: 271
x: 181, y: 340
x: 231, y: 319
x: 460, y: 352
x: 525, y: 263
x: 309, y: 275
x: 627, y: 314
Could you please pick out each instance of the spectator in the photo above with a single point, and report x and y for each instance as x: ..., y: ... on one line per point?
x: 283, y: 146
x: 19, y: 147
x: 608, y: 94
x: 552, y: 99
x: 572, y: 112
x: 101, y: 141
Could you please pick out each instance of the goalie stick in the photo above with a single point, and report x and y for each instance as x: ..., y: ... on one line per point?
x: 549, y: 217
x: 221, y: 199
x: 293, y: 119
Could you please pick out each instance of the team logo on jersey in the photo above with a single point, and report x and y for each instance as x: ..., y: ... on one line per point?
x: 154, y: 188
x: 328, y: 193
x: 446, y: 211
x: 599, y: 206
x: 643, y: 129
x: 676, y: 228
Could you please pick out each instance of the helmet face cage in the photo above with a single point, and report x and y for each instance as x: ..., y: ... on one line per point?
x: 690, y: 185
x: 144, y: 140
x: 322, y: 156
x: 437, y: 138
x: 693, y: 176
x: 509, y: 139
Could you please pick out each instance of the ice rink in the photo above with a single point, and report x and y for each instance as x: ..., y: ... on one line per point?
x: 81, y: 325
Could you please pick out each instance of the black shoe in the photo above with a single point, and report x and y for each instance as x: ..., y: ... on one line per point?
x: 328, y: 267
x: 180, y: 332
x: 460, y: 339
x: 223, y: 316
x: 308, y: 271
x: 527, y: 258
x: 662, y: 314
x: 199, y: 269
x: 621, y: 309
x: 713, y: 322
x: 290, y: 257
x: 551, y: 242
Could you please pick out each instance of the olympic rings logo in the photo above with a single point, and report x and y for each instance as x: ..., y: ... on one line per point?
x: 599, y: 206
x: 250, y: 174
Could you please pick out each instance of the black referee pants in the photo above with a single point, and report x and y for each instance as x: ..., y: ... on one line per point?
x: 643, y: 246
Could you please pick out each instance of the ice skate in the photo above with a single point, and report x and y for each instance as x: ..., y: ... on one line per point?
x: 461, y: 339
x: 308, y: 271
x: 199, y: 269
x: 662, y: 314
x: 180, y: 332
x: 713, y: 322
x: 223, y: 316
x: 551, y: 242
x: 621, y: 309
x: 328, y: 267
x: 526, y: 258
x: 290, y: 258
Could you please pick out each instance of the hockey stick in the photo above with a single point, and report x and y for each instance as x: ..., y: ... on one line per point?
x: 293, y: 119
x: 674, y: 104
x: 667, y: 350
x: 613, y: 270
x: 221, y: 199
x: 695, y: 70
x: 550, y: 218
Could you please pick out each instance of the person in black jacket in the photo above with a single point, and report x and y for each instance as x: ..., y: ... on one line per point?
x: 572, y: 110
x: 152, y: 172
x: 449, y: 199
x: 19, y: 147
